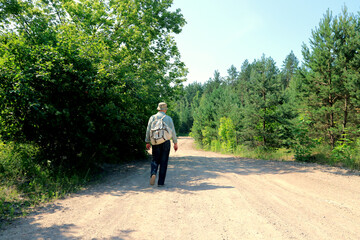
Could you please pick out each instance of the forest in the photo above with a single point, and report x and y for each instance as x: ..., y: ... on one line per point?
x: 80, y: 78
x: 305, y: 111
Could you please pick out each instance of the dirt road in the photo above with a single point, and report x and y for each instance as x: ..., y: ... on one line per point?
x: 207, y: 196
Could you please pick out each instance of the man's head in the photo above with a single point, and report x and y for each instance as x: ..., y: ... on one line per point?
x: 162, y: 107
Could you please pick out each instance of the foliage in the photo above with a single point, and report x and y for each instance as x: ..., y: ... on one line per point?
x: 331, y: 79
x: 346, y: 153
x: 302, y: 144
x: 80, y: 78
x: 227, y: 134
x: 262, y: 101
x: 78, y: 81
x: 184, y: 106
x: 290, y: 66
x: 223, y: 116
x: 24, y: 183
x: 310, y: 111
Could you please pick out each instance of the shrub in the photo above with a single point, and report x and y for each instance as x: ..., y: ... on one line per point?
x: 24, y: 182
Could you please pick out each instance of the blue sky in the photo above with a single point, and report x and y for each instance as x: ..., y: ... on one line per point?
x: 221, y: 33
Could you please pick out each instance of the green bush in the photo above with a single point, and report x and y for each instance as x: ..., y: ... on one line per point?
x: 227, y: 134
x: 24, y: 182
x: 301, y: 143
x: 216, y: 146
x: 79, y: 79
x: 346, y: 153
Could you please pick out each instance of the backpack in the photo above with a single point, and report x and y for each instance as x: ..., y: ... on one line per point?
x: 159, y: 132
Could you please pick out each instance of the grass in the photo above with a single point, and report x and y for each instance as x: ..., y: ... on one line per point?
x: 25, y: 184
x: 346, y: 157
x: 255, y: 153
x: 340, y: 157
x: 260, y: 153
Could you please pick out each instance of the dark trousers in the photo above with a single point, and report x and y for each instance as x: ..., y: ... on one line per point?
x: 160, y: 158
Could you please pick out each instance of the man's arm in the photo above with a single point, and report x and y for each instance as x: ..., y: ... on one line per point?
x: 174, y: 138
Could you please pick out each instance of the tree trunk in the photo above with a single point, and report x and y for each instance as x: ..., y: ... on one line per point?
x: 331, y: 133
x: 331, y: 103
x: 346, y: 112
x: 264, y: 121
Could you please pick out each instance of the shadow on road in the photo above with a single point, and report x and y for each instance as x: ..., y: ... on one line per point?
x: 186, y: 175
x: 26, y: 229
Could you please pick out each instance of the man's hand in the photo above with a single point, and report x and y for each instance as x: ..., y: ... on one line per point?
x: 175, y: 147
x: 148, y: 146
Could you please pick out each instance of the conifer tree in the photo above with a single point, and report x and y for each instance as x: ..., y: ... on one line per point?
x: 243, y: 80
x: 332, y: 76
x: 261, y: 103
x: 290, y: 65
x: 232, y: 75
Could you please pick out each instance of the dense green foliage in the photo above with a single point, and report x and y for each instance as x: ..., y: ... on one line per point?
x: 311, y: 110
x: 78, y: 82
x: 332, y: 78
x: 79, y: 78
x: 25, y: 183
x: 252, y: 103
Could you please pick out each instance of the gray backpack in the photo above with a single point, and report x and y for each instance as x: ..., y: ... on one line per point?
x: 159, y: 132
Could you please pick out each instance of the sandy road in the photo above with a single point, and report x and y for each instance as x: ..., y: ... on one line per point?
x: 207, y: 196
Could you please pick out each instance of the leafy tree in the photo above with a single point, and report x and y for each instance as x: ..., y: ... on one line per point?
x: 227, y: 134
x: 80, y: 78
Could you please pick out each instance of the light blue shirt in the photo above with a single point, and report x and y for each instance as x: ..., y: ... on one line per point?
x: 167, y: 119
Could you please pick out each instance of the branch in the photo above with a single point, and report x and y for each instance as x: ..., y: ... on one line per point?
x: 57, y: 12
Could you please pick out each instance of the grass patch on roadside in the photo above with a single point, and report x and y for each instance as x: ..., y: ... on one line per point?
x: 281, y: 154
x: 343, y: 155
x: 24, y: 183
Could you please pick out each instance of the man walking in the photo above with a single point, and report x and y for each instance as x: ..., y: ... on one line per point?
x: 161, y: 151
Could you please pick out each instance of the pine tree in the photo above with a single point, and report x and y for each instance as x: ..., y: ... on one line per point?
x: 290, y: 65
x: 243, y: 80
x: 332, y: 76
x: 261, y: 104
x: 346, y: 49
x: 232, y: 75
